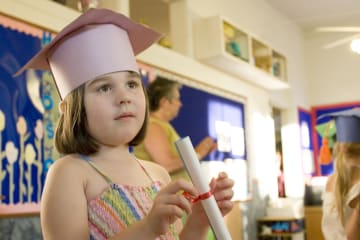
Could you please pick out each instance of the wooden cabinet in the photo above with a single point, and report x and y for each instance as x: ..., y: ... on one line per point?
x: 313, y: 216
x: 234, y: 222
x: 273, y: 228
x: 221, y: 44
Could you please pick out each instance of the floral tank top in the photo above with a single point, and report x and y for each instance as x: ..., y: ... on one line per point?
x: 120, y: 206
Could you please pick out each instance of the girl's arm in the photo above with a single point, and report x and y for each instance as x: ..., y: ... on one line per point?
x: 352, y: 226
x: 63, y: 204
x: 197, y: 224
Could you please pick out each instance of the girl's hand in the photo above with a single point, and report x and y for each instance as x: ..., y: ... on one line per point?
x: 221, y: 188
x: 169, y: 206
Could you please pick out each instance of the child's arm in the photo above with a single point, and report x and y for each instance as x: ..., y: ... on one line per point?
x: 352, y: 225
x: 197, y: 224
x: 63, y: 204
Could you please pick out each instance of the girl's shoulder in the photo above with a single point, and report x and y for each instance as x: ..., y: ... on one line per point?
x: 70, y: 160
x: 156, y: 171
x: 68, y: 166
x: 330, y: 183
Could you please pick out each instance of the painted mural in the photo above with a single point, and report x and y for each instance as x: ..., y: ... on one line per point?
x: 28, y: 114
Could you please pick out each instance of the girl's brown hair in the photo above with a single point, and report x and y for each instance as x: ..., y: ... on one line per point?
x: 72, y: 135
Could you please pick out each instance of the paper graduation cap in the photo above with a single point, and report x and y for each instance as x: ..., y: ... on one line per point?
x: 347, y: 124
x: 98, y: 42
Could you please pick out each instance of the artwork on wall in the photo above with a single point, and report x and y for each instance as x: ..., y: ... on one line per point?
x: 28, y: 114
x: 316, y: 112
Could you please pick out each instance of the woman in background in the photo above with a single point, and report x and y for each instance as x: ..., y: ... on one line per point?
x: 158, y: 145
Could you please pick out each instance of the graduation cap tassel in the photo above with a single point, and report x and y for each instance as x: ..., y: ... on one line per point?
x: 325, y: 153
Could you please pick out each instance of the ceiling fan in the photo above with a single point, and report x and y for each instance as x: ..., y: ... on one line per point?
x: 354, y: 39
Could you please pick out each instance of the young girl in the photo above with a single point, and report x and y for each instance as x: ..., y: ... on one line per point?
x: 98, y: 190
x: 341, y: 200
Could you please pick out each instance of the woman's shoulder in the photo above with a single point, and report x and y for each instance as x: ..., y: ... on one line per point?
x: 156, y: 171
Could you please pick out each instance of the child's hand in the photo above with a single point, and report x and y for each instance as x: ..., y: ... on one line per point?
x: 221, y: 188
x: 169, y: 206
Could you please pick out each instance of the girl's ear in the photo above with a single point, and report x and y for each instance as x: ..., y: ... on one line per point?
x: 62, y: 107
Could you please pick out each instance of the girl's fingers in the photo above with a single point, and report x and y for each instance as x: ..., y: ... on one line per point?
x: 180, y: 201
x: 177, y: 186
x: 224, y: 195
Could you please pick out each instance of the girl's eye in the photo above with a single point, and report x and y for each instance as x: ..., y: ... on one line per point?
x: 105, y: 88
x: 133, y: 84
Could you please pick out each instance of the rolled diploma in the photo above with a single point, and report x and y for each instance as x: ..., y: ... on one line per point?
x: 192, y: 166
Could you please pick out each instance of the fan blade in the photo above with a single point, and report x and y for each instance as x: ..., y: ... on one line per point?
x: 337, y: 29
x: 341, y: 41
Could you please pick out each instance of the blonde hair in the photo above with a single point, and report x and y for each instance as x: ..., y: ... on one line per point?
x: 343, y: 152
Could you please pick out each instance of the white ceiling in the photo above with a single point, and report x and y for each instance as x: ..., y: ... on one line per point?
x: 309, y: 14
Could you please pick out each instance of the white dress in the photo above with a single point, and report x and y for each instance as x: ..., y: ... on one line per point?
x: 331, y: 225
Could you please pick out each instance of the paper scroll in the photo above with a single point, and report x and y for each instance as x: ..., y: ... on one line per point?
x: 192, y: 166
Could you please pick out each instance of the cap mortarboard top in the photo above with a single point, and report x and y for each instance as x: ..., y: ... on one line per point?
x: 98, y: 42
x: 347, y: 125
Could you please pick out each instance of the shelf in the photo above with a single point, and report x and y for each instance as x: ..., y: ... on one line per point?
x: 220, y: 44
x: 279, y: 228
x: 282, y: 234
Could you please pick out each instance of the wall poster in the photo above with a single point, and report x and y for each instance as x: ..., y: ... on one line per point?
x: 316, y: 112
x: 28, y: 114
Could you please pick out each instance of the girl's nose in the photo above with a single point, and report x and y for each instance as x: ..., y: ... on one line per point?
x: 122, y: 96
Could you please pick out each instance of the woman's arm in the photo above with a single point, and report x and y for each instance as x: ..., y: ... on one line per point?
x: 159, y: 148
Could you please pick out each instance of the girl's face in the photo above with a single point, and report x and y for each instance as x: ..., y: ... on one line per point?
x: 115, y: 107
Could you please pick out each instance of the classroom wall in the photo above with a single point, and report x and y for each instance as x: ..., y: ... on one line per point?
x: 333, y: 74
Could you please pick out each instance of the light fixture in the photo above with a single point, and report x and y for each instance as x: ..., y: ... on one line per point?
x: 355, y: 45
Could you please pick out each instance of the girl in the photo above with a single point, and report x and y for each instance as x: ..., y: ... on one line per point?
x: 341, y: 203
x: 98, y: 190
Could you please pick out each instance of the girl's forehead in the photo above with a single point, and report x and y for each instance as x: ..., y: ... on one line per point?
x: 115, y: 76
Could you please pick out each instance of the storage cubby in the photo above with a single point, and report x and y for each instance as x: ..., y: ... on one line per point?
x: 156, y: 15
x: 167, y: 17
x: 223, y: 45
x: 279, y: 66
x: 236, y: 41
x: 262, y: 55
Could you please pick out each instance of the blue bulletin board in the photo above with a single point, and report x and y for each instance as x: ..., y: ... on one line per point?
x: 205, y: 114
x: 27, y: 117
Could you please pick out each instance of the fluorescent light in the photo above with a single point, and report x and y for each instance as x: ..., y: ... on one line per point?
x: 355, y: 45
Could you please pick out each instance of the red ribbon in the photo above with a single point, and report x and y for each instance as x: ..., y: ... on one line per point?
x: 194, y: 199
